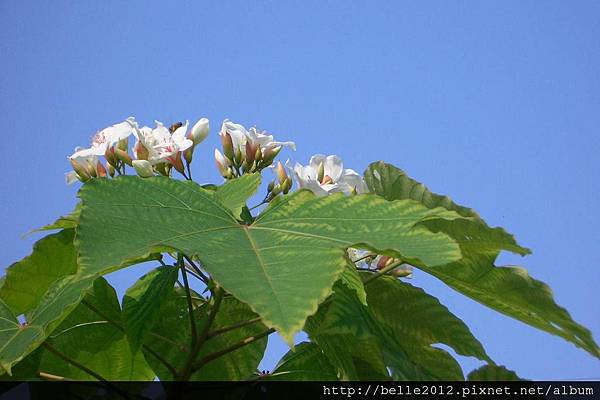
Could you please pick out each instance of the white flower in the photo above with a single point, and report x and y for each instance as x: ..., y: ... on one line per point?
x: 240, y: 136
x: 199, y: 131
x: 326, y: 174
x: 84, y: 166
x: 106, y: 138
x: 160, y: 144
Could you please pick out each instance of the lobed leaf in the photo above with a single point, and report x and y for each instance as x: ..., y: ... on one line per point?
x: 509, y: 290
x: 282, y: 265
x: 306, y: 362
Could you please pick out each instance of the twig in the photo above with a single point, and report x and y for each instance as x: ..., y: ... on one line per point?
x: 213, y: 356
x: 232, y: 327
x: 188, y: 295
x: 203, y: 337
x: 197, y: 269
x: 85, y: 369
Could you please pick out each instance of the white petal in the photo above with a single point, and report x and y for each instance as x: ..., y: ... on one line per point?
x: 334, y: 167
x: 92, y: 151
x: 179, y: 134
x: 316, y: 160
x: 354, y: 181
x: 160, y: 133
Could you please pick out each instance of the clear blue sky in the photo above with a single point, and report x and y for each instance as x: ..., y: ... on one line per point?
x: 496, y: 104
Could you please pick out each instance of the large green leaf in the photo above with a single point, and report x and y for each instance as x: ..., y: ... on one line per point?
x: 349, y: 336
x: 306, y: 362
x: 509, y: 290
x: 414, y: 317
x: 171, y: 338
x: 58, y: 294
x: 282, y: 265
x: 143, y: 302
x: 68, y: 221
x: 346, y: 330
x: 89, y: 339
x: 53, y: 257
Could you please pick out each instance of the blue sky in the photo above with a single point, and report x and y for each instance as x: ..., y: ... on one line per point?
x: 493, y: 103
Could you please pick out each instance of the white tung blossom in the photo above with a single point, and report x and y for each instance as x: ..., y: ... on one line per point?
x: 106, y: 138
x: 240, y: 136
x: 159, y: 143
x: 326, y: 174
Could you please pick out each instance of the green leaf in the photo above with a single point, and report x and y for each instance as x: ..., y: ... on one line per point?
x: 282, y: 265
x: 491, y: 372
x: 9, y: 325
x: 413, y: 316
x: 348, y: 335
x: 509, y: 290
x: 306, y: 362
x: 234, y: 193
x: 351, y: 279
x: 171, y: 338
x: 143, y: 302
x: 57, y: 297
x: 89, y: 339
x: 53, y: 257
x: 68, y: 221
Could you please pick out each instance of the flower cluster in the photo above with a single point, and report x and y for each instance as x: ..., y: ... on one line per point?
x: 155, y: 151
x: 326, y: 174
x: 246, y: 151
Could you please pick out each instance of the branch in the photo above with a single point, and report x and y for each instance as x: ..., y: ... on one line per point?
x: 205, y: 278
x: 232, y: 327
x: 213, y: 356
x: 188, y: 295
x: 119, y: 327
x: 203, y: 337
x: 82, y: 367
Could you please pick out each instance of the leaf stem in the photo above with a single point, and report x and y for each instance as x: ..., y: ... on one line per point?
x: 119, y: 327
x: 232, y: 327
x: 188, y: 295
x: 203, y: 337
x: 382, y: 272
x: 213, y: 356
x: 82, y: 367
x: 205, y: 278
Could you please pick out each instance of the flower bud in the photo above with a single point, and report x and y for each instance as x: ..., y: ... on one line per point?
x: 100, y: 170
x: 141, y: 152
x: 326, y: 179
x: 110, y: 156
x: 178, y: 163
x: 384, y: 261
x: 187, y: 154
x: 251, y: 150
x: 238, y: 157
x: 286, y: 185
x: 80, y: 170
x: 143, y: 168
x: 222, y: 163
x: 280, y: 172
x: 403, y: 271
x: 269, y: 155
x: 199, y: 131
x: 227, y: 143
x: 123, y: 156
x: 111, y: 169
x: 270, y: 187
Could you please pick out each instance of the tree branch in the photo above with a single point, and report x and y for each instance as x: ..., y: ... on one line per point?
x: 382, y: 272
x: 203, y: 337
x: 85, y: 369
x: 213, y: 356
x: 232, y: 327
x: 188, y: 295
